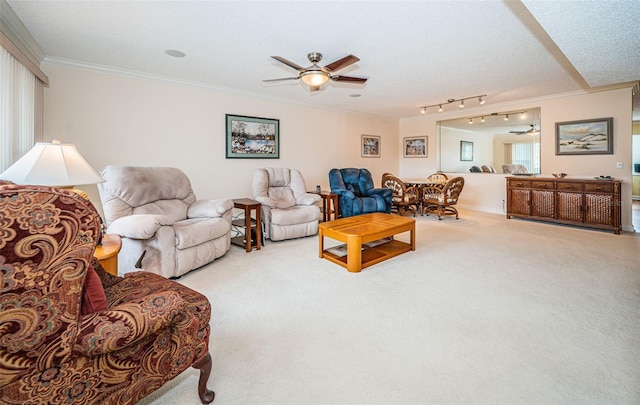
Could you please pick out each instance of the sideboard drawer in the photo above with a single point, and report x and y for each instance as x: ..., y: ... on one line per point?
x: 543, y: 185
x: 599, y: 187
x: 519, y: 183
x: 570, y: 186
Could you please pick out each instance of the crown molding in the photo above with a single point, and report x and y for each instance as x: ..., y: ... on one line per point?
x: 13, y: 28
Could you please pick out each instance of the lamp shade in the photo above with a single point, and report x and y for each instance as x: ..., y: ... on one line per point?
x: 52, y: 164
x: 314, y: 78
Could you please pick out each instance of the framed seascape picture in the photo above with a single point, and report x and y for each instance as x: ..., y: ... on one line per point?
x: 585, y: 137
x: 252, y: 137
x: 370, y: 146
x: 466, y: 151
x: 415, y: 146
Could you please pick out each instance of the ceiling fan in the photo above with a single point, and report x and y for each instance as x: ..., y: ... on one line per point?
x: 530, y: 131
x: 315, y: 75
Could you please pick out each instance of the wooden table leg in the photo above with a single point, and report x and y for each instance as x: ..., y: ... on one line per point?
x: 320, y: 243
x: 354, y: 254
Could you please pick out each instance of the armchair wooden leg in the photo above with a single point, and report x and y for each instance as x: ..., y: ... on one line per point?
x: 204, y: 365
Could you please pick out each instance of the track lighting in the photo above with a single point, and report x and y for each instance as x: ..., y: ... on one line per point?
x: 480, y: 98
x: 504, y: 115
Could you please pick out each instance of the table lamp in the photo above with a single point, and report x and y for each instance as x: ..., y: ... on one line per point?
x: 53, y: 164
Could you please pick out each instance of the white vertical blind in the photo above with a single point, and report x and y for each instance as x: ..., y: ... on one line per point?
x: 21, y: 99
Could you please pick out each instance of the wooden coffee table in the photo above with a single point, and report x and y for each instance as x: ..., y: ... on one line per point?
x: 360, y: 230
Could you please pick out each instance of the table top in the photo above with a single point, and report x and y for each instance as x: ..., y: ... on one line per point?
x: 111, y: 245
x: 422, y: 181
x: 323, y: 193
x: 367, y: 224
x: 241, y: 202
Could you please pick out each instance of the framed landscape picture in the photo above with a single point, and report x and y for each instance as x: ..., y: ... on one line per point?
x: 370, y: 146
x: 585, y: 137
x: 415, y: 146
x: 252, y: 137
x: 466, y: 151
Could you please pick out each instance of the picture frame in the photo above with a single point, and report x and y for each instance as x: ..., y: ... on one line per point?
x: 585, y: 137
x: 371, y: 145
x: 466, y: 151
x: 415, y: 147
x: 252, y: 137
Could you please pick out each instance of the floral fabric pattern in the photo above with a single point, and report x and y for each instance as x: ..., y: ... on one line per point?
x: 152, y: 330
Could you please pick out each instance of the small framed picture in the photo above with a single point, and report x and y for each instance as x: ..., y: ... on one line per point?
x: 586, y: 137
x: 466, y: 151
x: 415, y: 146
x: 252, y: 137
x: 370, y: 146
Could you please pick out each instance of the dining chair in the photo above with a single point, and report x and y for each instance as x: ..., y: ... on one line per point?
x: 442, y: 200
x: 438, y: 177
x: 404, y: 198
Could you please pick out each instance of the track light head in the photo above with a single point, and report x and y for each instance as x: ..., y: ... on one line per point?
x: 481, y: 100
x: 440, y: 109
x: 423, y: 110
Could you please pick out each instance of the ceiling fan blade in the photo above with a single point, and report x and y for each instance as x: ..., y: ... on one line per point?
x: 350, y: 79
x: 284, y: 78
x: 342, y: 63
x: 288, y: 63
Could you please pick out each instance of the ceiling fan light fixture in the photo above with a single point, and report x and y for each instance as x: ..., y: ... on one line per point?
x: 314, y: 78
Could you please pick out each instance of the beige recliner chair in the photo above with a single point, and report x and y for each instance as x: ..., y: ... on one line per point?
x: 157, y: 215
x: 288, y: 211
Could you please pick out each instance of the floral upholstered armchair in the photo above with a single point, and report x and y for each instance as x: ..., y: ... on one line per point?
x: 70, y: 333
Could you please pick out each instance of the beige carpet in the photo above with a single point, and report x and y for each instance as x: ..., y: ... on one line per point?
x: 485, y: 311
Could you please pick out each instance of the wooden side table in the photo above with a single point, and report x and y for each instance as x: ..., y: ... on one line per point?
x: 251, y: 226
x: 329, y: 199
x: 107, y: 253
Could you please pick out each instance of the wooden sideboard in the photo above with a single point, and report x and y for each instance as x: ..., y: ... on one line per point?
x: 581, y: 202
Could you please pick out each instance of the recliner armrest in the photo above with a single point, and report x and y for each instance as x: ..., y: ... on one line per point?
x: 307, y: 199
x: 344, y: 193
x: 209, y: 208
x: 384, y: 192
x: 118, y: 327
x: 139, y: 226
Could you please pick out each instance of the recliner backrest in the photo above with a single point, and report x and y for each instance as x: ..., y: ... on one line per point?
x: 145, y: 190
x: 359, y: 181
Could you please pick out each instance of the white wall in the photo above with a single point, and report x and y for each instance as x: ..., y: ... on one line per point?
x: 118, y: 119
x: 124, y: 120
x: 487, y: 191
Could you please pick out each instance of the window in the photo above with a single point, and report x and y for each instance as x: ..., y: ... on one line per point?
x: 21, y: 96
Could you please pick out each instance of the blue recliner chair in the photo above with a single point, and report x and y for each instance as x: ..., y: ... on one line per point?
x: 357, y: 194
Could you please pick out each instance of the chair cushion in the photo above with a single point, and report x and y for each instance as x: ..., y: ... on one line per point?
x: 192, y: 232
x: 295, y: 215
x: 93, y: 296
x: 282, y: 197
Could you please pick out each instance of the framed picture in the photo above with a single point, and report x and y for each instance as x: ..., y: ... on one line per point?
x: 370, y: 146
x: 586, y: 137
x: 252, y: 137
x: 415, y: 146
x: 466, y: 151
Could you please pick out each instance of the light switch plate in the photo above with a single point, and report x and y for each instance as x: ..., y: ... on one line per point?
x: 619, y: 165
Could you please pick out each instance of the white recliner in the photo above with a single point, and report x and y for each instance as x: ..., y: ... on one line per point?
x: 157, y: 215
x: 288, y: 211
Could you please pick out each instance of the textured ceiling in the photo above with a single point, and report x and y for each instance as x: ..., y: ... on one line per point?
x: 414, y: 53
